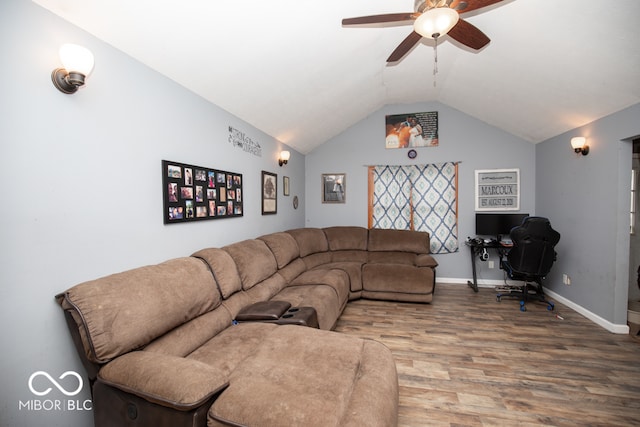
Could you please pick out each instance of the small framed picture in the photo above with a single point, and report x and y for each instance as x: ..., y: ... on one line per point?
x: 334, y: 187
x: 285, y: 185
x: 269, y: 193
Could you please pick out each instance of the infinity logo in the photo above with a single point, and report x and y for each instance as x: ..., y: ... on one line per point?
x: 55, y: 383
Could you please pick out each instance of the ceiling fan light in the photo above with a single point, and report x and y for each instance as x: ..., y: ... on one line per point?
x: 436, y: 22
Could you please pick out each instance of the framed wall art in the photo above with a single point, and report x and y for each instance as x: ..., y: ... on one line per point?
x: 497, y: 190
x: 192, y: 193
x: 411, y: 130
x: 285, y: 185
x: 334, y: 187
x: 269, y: 193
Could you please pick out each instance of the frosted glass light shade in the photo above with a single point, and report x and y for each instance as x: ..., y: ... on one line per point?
x: 579, y: 145
x: 284, y: 157
x: 578, y: 142
x: 436, y: 22
x: 76, y: 59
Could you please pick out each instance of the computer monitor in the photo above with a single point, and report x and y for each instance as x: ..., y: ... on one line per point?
x: 494, y: 224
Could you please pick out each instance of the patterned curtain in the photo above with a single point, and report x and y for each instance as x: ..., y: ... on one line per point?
x: 391, y: 197
x: 418, y: 197
x: 435, y: 205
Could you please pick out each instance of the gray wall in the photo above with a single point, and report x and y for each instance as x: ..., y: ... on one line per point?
x: 82, y: 192
x: 463, y: 138
x: 587, y: 198
x: 82, y: 197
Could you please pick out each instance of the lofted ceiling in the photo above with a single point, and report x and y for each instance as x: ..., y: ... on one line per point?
x: 290, y: 68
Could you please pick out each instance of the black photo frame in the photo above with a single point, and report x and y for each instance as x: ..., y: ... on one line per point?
x: 196, y: 193
x: 269, y: 193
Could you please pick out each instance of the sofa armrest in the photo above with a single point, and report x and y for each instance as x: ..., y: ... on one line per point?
x: 263, y: 310
x: 425, y: 260
x: 170, y: 381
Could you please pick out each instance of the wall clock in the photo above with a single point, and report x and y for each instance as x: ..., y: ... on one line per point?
x: 412, y: 154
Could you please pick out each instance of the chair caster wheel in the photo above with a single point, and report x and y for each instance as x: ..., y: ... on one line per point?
x: 550, y: 306
x: 522, y: 307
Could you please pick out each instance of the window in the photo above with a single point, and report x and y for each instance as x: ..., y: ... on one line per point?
x: 417, y: 197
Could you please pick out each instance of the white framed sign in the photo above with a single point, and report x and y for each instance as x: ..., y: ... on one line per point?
x: 498, y: 190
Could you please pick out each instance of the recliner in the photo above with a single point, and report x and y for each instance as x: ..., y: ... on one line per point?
x: 530, y: 259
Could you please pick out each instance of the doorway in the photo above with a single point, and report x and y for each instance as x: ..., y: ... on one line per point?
x: 633, y: 309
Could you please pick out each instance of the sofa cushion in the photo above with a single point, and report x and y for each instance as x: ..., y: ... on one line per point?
x: 229, y: 348
x: 254, y: 260
x: 327, y: 291
x: 398, y: 240
x: 353, y: 270
x: 317, y: 259
x: 283, y: 246
x: 392, y: 257
x: 307, y: 377
x: 293, y: 270
x: 112, y: 318
x: 310, y: 240
x: 223, y: 268
x: 425, y: 260
x: 397, y: 279
x: 343, y: 238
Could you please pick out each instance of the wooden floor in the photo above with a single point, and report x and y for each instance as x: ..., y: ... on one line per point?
x: 468, y: 360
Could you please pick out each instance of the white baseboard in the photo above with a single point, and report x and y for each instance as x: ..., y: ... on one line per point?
x: 611, y: 327
x: 488, y: 283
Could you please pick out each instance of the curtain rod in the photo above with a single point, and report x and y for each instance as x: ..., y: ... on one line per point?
x: 456, y: 163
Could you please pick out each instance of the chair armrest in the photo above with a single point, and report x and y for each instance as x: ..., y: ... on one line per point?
x: 170, y: 381
x: 426, y: 260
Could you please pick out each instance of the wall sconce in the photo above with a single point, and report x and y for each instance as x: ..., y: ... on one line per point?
x: 78, y: 63
x: 284, y: 157
x: 579, y: 145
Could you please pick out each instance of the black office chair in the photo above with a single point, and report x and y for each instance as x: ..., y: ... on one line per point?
x: 530, y: 259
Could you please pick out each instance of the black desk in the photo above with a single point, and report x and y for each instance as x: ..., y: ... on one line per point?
x: 476, y: 247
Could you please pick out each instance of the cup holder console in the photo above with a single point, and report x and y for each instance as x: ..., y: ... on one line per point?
x: 304, y: 316
x: 279, y: 312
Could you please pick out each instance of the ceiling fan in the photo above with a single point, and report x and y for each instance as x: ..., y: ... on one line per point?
x: 433, y: 19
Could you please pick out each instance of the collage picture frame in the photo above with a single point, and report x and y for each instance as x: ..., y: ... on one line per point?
x: 196, y: 193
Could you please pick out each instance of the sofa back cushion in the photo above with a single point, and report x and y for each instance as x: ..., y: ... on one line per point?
x: 125, y: 311
x: 398, y: 240
x: 223, y: 268
x: 254, y: 260
x: 284, y: 247
x: 310, y: 240
x: 346, y: 238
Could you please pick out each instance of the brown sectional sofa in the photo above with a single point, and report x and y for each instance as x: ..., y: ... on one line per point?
x: 162, y: 345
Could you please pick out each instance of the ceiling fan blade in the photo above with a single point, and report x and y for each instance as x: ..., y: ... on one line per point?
x: 469, y: 35
x: 404, y: 47
x: 378, y: 19
x: 471, y: 4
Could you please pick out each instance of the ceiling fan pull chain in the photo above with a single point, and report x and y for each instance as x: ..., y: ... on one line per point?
x: 435, y: 60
